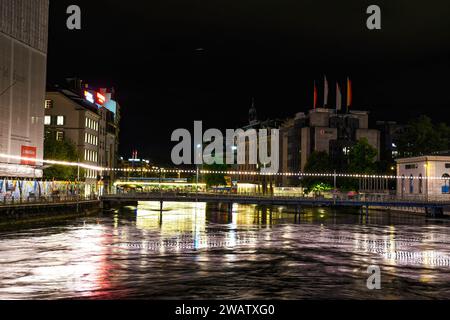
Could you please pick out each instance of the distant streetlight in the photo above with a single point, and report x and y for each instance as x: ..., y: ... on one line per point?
x: 199, y: 146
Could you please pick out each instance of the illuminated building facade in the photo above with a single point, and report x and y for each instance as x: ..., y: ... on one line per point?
x: 23, y: 63
x: 68, y: 116
x: 264, y: 184
x: 427, y: 176
x: 89, y: 118
x: 322, y: 130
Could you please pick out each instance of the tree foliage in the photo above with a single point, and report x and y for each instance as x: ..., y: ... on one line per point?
x: 318, y: 162
x: 362, y: 158
x: 422, y: 137
x: 62, y: 151
x: 214, y: 180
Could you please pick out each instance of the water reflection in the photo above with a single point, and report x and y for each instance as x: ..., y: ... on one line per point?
x: 209, y: 252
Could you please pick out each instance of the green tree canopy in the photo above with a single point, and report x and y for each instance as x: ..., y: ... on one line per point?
x: 213, y: 180
x: 362, y: 158
x: 318, y: 162
x: 422, y: 137
x: 62, y: 151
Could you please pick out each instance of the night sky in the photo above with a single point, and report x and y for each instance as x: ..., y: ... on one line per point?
x: 176, y: 61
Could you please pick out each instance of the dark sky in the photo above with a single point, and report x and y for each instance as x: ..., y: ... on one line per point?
x: 271, y: 50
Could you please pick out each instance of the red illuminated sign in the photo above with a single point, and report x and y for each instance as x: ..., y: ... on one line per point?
x: 101, y: 99
x: 29, y: 153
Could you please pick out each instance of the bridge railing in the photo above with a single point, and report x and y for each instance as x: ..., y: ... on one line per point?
x: 364, y: 198
x: 54, y: 199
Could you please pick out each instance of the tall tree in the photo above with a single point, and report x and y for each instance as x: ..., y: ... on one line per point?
x: 318, y: 162
x: 63, y: 151
x: 422, y: 137
x: 215, y: 179
x: 362, y: 158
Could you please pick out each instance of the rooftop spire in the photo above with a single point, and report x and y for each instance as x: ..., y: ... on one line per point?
x: 252, y: 115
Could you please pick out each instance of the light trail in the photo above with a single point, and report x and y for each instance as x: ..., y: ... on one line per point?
x: 230, y: 173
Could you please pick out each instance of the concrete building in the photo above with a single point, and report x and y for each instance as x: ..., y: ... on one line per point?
x: 390, y: 132
x: 109, y: 130
x: 90, y: 118
x: 322, y: 130
x: 257, y: 183
x: 23, y: 63
x: 71, y: 117
x: 427, y: 176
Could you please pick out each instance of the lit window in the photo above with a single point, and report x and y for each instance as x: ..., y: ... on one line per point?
x: 60, y: 120
x: 59, y: 136
x: 48, y: 104
x: 86, y: 122
x: 48, y: 120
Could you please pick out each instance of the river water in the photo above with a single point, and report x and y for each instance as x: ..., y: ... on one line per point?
x: 195, y: 251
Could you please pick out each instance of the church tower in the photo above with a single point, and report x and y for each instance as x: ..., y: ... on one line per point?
x: 252, y: 115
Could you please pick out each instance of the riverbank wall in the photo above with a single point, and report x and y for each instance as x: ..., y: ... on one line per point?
x: 37, y: 211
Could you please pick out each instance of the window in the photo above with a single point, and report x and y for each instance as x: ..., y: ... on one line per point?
x: 420, y: 184
x: 60, y: 120
x: 48, y: 104
x: 446, y: 186
x: 403, y: 185
x: 59, y: 136
x: 447, y: 166
x: 48, y: 120
x: 411, y: 184
x: 411, y: 166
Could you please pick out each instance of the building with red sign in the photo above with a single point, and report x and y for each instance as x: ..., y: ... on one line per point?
x: 23, y: 63
x: 90, y: 119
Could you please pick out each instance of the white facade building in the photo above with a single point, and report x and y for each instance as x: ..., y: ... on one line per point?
x: 23, y: 63
x: 427, y: 176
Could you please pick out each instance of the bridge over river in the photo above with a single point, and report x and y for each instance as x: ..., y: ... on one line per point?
x: 432, y: 207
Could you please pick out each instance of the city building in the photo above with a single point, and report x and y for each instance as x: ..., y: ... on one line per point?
x: 23, y: 63
x: 390, y: 132
x: 256, y: 183
x: 109, y: 130
x: 322, y: 130
x: 135, y: 168
x: 90, y: 119
x: 427, y: 176
x: 68, y: 116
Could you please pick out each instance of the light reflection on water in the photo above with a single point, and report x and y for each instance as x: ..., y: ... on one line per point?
x: 198, y: 251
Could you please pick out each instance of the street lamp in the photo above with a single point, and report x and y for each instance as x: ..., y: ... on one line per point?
x: 199, y: 146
